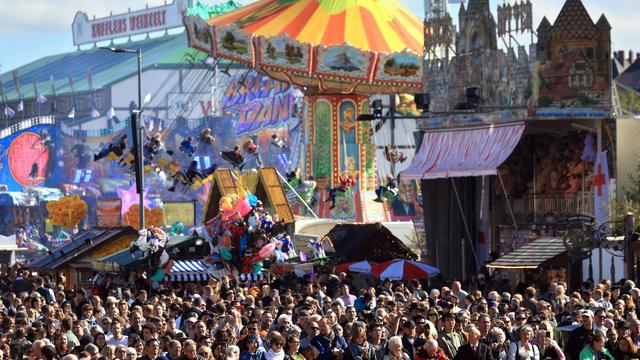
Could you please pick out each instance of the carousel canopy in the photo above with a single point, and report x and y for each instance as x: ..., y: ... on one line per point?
x: 376, y: 26
x: 324, y: 46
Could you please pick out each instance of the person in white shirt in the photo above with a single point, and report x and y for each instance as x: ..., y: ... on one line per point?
x: 117, y: 337
x: 605, y: 301
x: 346, y: 297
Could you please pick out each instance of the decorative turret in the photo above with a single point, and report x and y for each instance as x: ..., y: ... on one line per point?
x: 544, y: 36
x: 461, y: 16
x: 574, y: 22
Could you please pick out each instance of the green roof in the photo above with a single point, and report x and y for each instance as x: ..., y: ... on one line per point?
x: 105, y: 67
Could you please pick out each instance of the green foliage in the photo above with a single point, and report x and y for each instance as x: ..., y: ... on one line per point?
x: 629, y: 100
x: 586, y: 101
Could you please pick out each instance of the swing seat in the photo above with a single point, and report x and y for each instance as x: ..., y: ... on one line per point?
x: 158, y: 275
x: 112, y: 156
x: 347, y: 193
x: 390, y: 195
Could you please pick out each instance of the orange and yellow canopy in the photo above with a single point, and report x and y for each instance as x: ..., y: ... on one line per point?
x: 370, y: 25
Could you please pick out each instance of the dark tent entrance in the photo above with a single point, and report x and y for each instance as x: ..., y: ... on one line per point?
x: 456, y: 169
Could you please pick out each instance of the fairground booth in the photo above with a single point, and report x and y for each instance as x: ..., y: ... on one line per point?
x: 519, y: 140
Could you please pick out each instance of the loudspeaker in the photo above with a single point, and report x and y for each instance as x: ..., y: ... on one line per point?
x: 422, y: 102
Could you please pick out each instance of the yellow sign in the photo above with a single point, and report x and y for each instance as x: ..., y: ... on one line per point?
x: 179, y: 212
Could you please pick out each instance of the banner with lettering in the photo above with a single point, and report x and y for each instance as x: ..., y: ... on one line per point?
x: 260, y: 102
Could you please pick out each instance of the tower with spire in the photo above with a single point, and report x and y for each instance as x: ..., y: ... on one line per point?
x: 477, y: 28
x: 574, y: 55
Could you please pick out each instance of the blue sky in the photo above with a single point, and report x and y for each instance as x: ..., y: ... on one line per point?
x: 31, y: 29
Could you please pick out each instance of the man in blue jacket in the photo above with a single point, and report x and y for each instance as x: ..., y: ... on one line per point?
x: 330, y: 345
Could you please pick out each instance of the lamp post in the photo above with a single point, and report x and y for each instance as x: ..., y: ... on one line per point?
x: 137, y: 130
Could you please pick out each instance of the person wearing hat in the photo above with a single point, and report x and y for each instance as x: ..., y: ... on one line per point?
x: 579, y: 337
x: 449, y: 340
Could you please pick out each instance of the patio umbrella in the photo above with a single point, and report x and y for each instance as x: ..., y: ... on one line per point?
x: 364, y: 266
x: 405, y: 270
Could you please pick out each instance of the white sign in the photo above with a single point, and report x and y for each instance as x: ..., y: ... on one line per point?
x: 165, y: 17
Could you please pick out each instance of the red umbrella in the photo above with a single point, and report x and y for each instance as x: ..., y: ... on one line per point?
x: 404, y: 270
x: 364, y: 266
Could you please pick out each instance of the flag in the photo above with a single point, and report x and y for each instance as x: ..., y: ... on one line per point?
x: 147, y: 99
x: 41, y: 99
x: 8, y: 112
x: 20, y: 107
x: 601, y: 189
x: 111, y: 113
x: 89, y: 80
x: 72, y: 113
x: 95, y: 113
x: 70, y: 78
x: 16, y: 81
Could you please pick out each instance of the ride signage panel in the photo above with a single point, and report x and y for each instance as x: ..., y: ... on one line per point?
x: 159, y: 18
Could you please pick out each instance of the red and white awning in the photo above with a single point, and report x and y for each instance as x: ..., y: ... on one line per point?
x: 463, y: 152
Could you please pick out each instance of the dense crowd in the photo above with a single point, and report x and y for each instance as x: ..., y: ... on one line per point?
x: 320, y: 318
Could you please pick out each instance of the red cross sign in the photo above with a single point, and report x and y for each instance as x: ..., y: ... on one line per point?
x: 599, y: 180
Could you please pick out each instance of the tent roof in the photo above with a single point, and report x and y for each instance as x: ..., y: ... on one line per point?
x: 377, y: 26
x: 363, y: 241
x: 105, y: 67
x: 124, y: 258
x: 531, y: 255
x: 84, y: 242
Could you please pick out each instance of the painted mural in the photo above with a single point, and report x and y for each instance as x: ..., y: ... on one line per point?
x: 96, y: 165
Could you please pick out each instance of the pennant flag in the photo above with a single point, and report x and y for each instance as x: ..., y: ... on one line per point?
x: 72, y: 113
x: 147, y: 99
x: 111, y: 113
x: 210, y: 60
x: 20, y: 107
x: 95, y: 113
x: 601, y: 189
x: 16, y: 81
x: 41, y: 99
x: 8, y: 112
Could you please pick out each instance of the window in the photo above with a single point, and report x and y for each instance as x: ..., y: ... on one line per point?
x: 580, y: 75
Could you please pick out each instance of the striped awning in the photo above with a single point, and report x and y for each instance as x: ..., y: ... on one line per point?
x: 188, y: 270
x: 463, y: 152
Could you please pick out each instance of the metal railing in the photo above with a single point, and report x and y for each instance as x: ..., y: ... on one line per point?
x: 535, y: 207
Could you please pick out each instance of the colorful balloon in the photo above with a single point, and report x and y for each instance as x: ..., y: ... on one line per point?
x: 267, y: 250
x: 243, y: 207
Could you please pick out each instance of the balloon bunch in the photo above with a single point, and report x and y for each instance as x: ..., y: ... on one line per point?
x: 68, y: 211
x: 244, y: 237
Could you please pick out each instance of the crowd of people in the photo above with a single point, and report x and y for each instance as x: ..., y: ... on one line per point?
x: 321, y: 318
